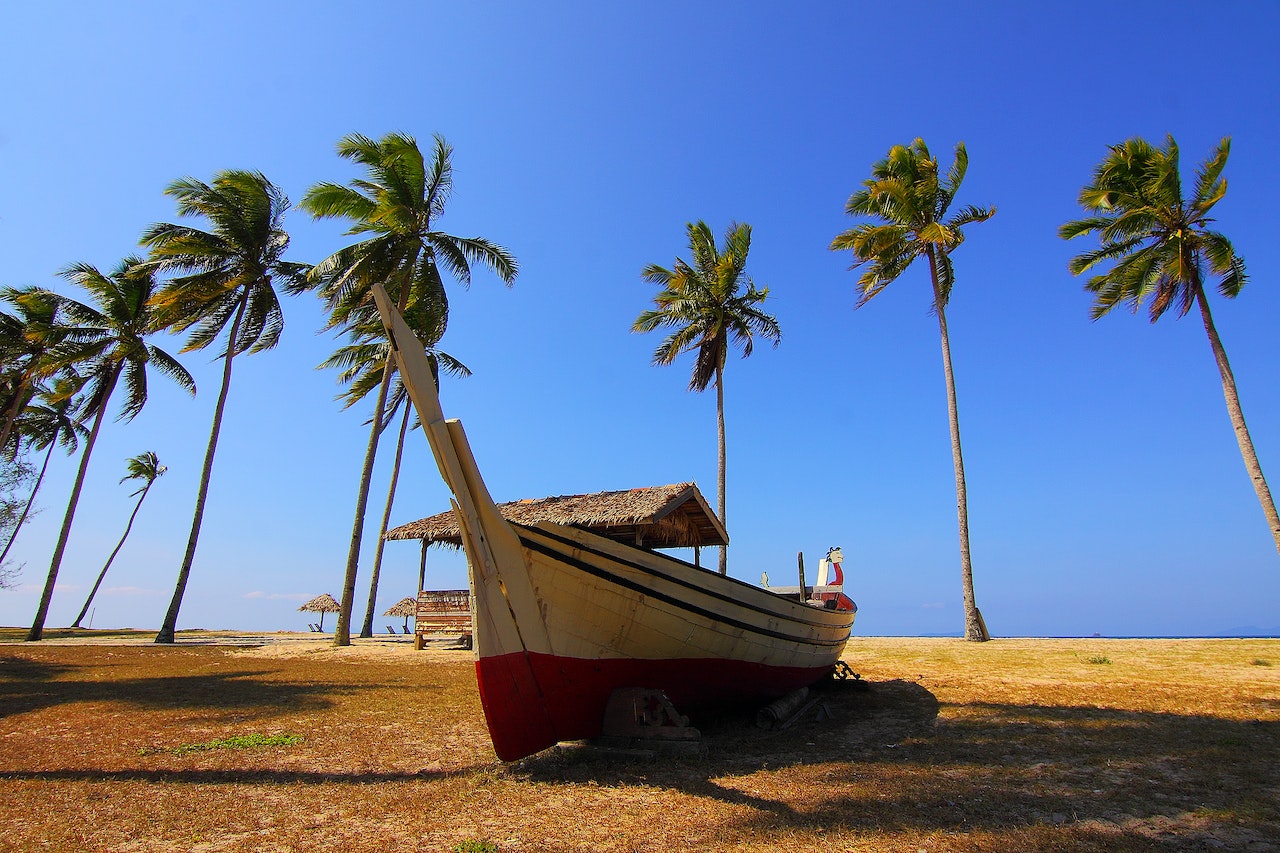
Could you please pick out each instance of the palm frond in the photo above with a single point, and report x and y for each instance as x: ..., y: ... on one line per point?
x: 1224, y: 262
x: 1210, y: 186
x: 170, y: 367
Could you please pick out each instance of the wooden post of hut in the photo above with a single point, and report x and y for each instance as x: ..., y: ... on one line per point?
x: 422, y: 567
x: 422, y: 581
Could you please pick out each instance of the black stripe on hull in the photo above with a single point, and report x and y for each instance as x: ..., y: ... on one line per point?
x: 712, y: 576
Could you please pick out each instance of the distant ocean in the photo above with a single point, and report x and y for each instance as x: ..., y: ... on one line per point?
x: 1247, y: 633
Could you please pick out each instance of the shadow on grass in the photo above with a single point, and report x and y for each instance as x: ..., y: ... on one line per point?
x: 31, y: 685
x: 232, y: 777
x: 886, y: 760
x: 20, y: 669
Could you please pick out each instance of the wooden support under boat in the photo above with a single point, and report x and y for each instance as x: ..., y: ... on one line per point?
x: 563, y: 617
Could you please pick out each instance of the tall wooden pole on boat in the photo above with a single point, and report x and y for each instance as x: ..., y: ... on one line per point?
x: 800, y: 563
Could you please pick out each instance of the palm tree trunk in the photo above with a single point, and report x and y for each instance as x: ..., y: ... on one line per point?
x: 975, y: 628
x: 30, y: 502
x: 342, y: 631
x: 1236, y: 414
x: 169, y: 626
x: 15, y: 405
x: 42, y: 611
x: 367, y: 629
x: 720, y: 478
x: 102, y: 574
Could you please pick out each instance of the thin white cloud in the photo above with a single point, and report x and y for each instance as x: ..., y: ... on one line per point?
x: 131, y: 590
x: 279, y: 596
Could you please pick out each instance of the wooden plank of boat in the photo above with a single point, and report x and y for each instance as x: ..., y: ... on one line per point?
x: 564, y: 616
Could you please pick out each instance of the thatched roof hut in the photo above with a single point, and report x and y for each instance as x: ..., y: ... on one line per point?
x: 404, y: 607
x: 674, y: 516
x: 321, y: 604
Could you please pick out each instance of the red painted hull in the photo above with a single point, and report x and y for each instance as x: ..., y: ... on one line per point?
x: 515, y: 688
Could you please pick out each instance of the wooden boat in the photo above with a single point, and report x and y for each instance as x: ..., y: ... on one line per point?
x: 562, y: 617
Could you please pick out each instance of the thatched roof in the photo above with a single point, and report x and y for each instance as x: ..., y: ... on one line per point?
x: 403, y: 607
x: 675, y: 516
x: 321, y: 604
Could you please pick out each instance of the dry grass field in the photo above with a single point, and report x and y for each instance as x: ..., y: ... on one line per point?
x: 283, y: 743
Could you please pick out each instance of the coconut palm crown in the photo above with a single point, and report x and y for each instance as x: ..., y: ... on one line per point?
x: 906, y: 193
x: 226, y: 275
x: 33, y: 346
x: 1161, y: 249
x: 395, y: 207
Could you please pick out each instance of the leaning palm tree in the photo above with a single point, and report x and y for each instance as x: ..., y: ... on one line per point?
x: 115, y: 333
x: 911, y: 201
x: 704, y: 302
x: 145, y: 467
x: 363, y: 363
x: 1161, y: 245
x: 54, y: 421
x: 226, y: 283
x: 397, y: 204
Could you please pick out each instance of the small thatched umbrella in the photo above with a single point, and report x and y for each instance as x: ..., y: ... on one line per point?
x: 321, y: 604
x: 405, y: 607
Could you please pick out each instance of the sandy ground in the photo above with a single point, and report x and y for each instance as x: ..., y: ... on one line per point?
x: 1013, y: 745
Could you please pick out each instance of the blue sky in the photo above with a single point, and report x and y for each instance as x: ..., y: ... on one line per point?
x: 1106, y: 490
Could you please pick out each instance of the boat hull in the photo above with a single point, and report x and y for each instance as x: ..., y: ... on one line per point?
x: 616, y: 617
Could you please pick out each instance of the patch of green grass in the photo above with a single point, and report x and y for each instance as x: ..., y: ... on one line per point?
x: 1260, y: 662
x: 237, y: 742
x: 1101, y: 659
x: 475, y: 847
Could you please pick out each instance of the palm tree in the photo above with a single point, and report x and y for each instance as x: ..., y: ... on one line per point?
x: 363, y: 363
x: 1160, y: 245
x: 398, y: 203
x: 146, y: 467
x: 115, y: 336
x: 31, y: 340
x: 53, y: 422
x: 226, y: 277
x: 703, y: 302
x: 906, y: 194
